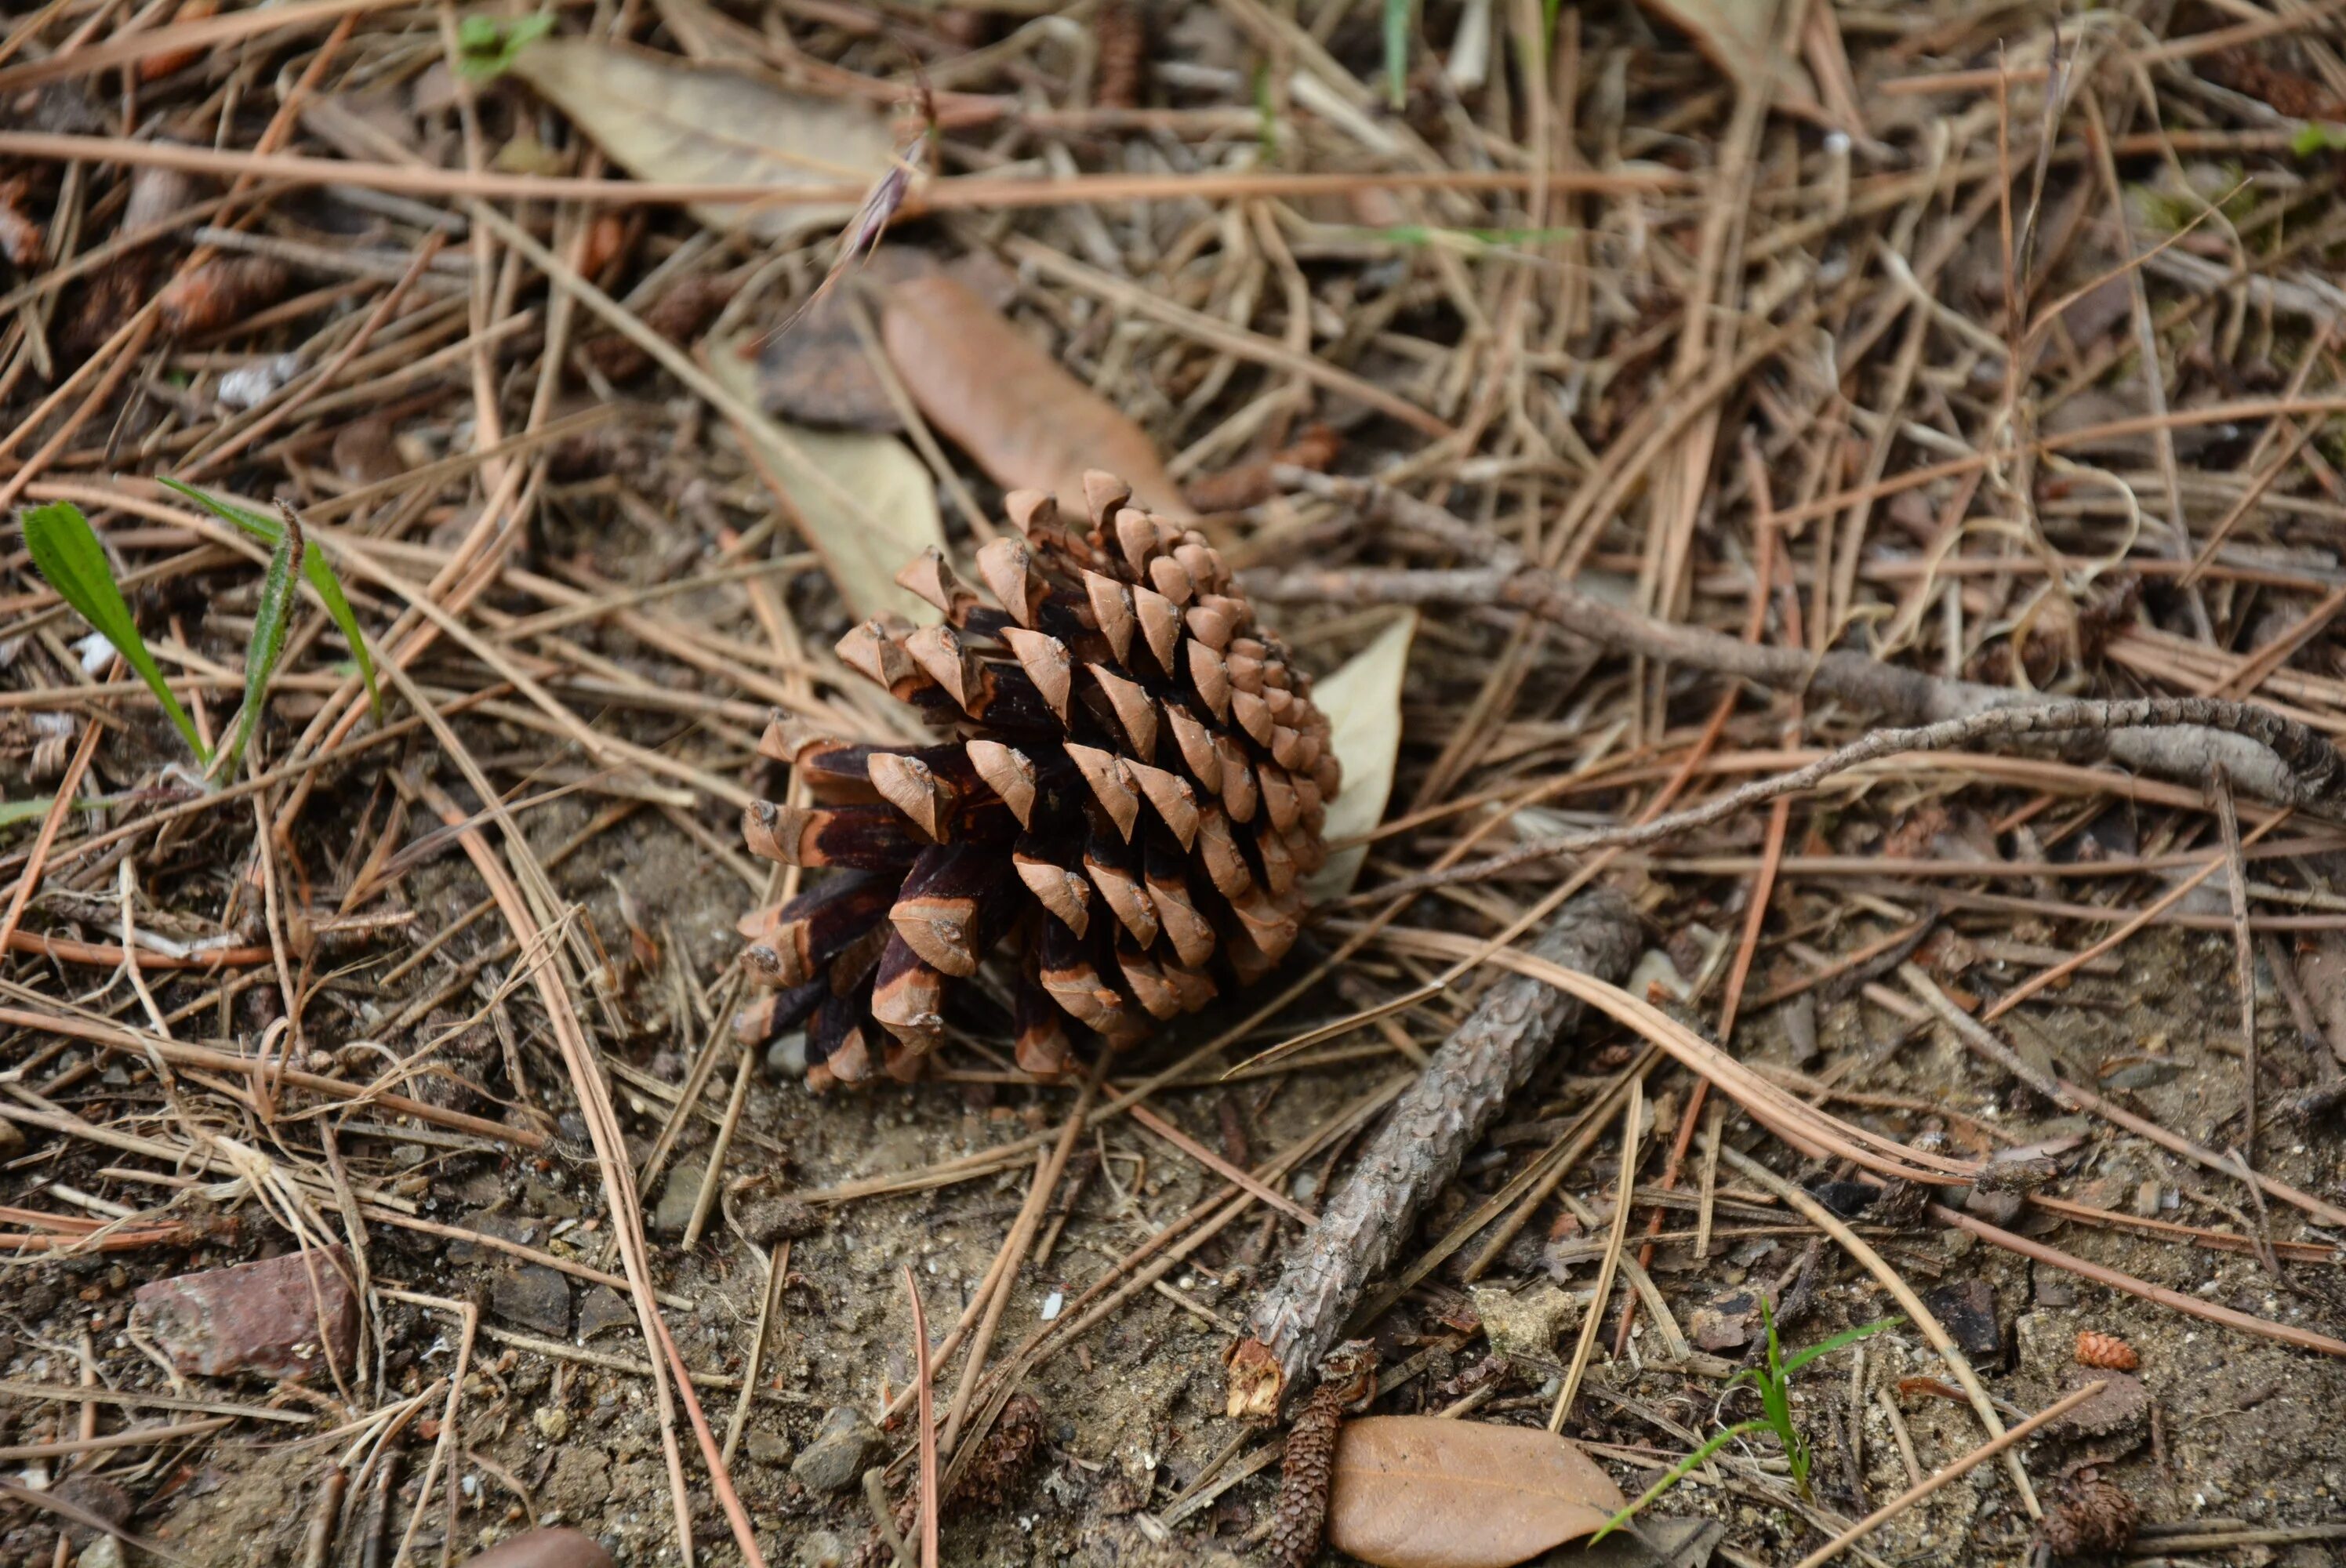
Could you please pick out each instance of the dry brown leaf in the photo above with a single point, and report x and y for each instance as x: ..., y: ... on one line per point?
x: 1011, y: 406
x: 1418, y: 1491
x: 864, y: 503
x: 1362, y: 702
x: 663, y: 119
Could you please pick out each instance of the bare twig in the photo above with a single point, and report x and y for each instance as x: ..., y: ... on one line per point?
x: 1365, y: 1222
x: 1606, y: 1269
x: 931, y: 1505
x: 2272, y: 758
x: 2313, y: 770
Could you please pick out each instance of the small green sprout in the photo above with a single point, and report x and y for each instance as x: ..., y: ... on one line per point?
x: 2314, y: 136
x: 67, y: 554
x: 485, y: 46
x: 1774, y: 1382
x: 1398, y: 15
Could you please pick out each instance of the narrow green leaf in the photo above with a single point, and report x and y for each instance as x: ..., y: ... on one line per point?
x: 1845, y: 1338
x: 67, y: 554
x: 1775, y: 1396
x: 15, y: 811
x: 1472, y: 239
x: 1397, y: 16
x: 316, y: 571
x: 267, y: 644
x: 1677, y: 1473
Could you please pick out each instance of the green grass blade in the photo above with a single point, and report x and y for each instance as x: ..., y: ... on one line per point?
x: 15, y: 811
x: 316, y: 571
x: 1775, y: 1395
x: 1677, y: 1473
x: 267, y: 646
x: 1397, y: 14
x: 1845, y: 1338
x: 12, y: 813
x: 65, y: 552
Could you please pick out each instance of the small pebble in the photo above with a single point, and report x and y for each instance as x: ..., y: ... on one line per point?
x: 834, y: 1460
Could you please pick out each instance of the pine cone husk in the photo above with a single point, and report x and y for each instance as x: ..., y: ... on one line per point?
x: 1126, y: 794
x: 2090, y: 1516
x: 994, y: 1475
x: 1121, y: 76
x: 1307, y: 1466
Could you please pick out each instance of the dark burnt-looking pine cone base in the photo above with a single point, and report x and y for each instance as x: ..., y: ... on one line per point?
x: 2091, y: 1516
x: 1114, y: 823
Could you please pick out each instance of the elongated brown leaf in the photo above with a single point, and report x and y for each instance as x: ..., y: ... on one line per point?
x: 662, y: 118
x: 1417, y: 1491
x: 1011, y: 406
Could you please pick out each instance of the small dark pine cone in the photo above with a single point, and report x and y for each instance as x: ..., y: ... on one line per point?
x: 1121, y: 28
x: 994, y: 1476
x: 1000, y: 1465
x: 1306, y: 1467
x: 2091, y: 1516
x: 1126, y: 794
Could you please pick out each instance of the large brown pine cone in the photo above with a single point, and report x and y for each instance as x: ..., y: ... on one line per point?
x: 1119, y: 813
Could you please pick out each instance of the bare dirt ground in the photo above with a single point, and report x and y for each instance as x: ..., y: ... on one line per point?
x: 1777, y: 331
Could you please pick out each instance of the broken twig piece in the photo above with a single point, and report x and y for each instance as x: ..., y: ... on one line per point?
x: 1418, y: 1150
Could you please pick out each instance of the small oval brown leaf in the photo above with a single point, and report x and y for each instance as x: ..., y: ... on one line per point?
x: 1417, y: 1491
x: 1011, y: 406
x: 545, y: 1549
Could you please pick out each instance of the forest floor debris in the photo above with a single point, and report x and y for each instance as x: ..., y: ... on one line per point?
x: 1642, y: 403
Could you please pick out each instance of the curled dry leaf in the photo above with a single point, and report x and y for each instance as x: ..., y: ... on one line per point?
x: 662, y: 119
x: 1418, y: 1491
x: 1010, y: 405
x: 1362, y: 702
x: 863, y: 502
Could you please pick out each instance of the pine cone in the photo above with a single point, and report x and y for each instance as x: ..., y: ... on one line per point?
x: 2090, y: 1517
x: 1126, y: 796
x: 1121, y: 29
x: 1306, y: 1467
x: 994, y: 1476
